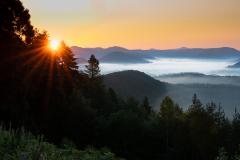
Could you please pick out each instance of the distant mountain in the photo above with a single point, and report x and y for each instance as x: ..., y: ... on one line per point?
x: 140, y: 55
x: 86, y: 52
x: 236, y: 65
x: 196, y: 53
x: 182, y: 48
x: 193, y: 53
x: 120, y: 57
x: 98, y: 52
x: 81, y: 60
x: 116, y: 48
x: 224, y: 52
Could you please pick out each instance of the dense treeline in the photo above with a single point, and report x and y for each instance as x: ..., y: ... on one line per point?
x: 43, y: 90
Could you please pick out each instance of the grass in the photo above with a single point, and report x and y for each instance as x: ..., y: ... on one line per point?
x: 19, y: 144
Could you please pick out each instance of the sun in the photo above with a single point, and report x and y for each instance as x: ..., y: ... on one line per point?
x: 54, y: 44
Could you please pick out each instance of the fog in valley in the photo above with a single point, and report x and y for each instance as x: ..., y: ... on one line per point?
x: 209, y: 79
x: 166, y: 65
x: 225, y: 95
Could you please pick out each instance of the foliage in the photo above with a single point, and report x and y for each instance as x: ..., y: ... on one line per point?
x: 222, y: 153
x: 17, y: 144
x: 43, y: 90
x: 94, y: 86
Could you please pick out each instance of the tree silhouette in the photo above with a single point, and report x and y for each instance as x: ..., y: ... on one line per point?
x: 93, y: 70
x: 145, y: 108
x: 95, y: 88
x: 15, y: 25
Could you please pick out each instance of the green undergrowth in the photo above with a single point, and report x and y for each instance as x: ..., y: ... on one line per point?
x: 19, y: 144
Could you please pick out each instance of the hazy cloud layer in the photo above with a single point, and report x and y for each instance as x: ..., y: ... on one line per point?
x: 165, y: 66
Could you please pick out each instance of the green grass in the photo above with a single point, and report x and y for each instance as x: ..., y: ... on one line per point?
x: 15, y: 142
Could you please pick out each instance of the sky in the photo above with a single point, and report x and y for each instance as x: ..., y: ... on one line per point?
x: 139, y: 24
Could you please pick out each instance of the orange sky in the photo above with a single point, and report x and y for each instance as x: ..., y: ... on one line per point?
x: 139, y: 24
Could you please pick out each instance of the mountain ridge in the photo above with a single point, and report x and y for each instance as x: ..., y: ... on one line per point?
x: 120, y: 57
x: 193, y: 53
x: 236, y: 65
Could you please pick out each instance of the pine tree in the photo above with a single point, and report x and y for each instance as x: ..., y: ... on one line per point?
x: 93, y: 71
x: 145, y: 108
x: 95, y: 88
x: 16, y: 33
x: 66, y: 57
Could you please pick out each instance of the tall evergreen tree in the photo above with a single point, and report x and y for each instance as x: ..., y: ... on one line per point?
x: 145, y: 108
x: 95, y: 88
x: 93, y: 71
x: 16, y: 34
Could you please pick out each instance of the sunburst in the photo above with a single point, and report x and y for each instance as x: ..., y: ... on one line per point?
x: 54, y: 44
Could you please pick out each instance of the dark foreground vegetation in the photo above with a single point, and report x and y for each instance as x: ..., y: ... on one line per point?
x: 19, y: 144
x: 43, y: 90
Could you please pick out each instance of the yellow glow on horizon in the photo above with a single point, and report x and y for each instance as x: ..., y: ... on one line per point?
x: 140, y: 24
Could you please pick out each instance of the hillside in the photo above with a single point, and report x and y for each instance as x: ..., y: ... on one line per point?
x: 120, y: 57
x: 195, y: 53
x: 139, y: 84
x: 236, y: 65
x: 135, y: 83
x: 217, y: 53
x: 143, y: 56
x: 98, y: 52
x: 81, y: 60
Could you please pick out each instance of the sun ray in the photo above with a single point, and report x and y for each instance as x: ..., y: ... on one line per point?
x: 36, y: 66
x: 69, y: 74
x: 30, y: 72
x: 34, y: 58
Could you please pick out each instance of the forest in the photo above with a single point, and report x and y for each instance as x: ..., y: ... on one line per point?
x: 43, y: 91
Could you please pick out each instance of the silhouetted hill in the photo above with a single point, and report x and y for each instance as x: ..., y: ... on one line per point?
x: 236, y: 65
x: 135, y: 83
x: 86, y: 52
x: 116, y: 48
x: 81, y: 60
x: 182, y: 48
x: 98, y: 52
x: 224, y: 52
x: 139, y: 84
x: 194, y: 53
x: 120, y: 57
x: 143, y: 56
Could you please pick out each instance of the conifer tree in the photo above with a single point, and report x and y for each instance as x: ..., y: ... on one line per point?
x: 95, y: 88
x: 93, y: 71
x: 145, y: 108
x: 16, y: 33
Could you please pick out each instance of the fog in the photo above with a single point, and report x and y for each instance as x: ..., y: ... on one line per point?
x: 227, y: 95
x: 186, y: 78
x: 166, y: 65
